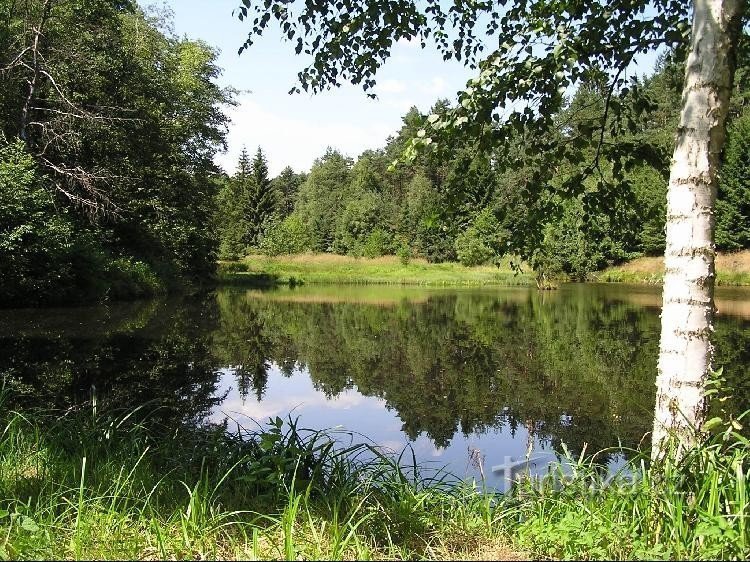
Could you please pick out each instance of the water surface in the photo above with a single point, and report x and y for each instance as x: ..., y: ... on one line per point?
x: 459, y: 375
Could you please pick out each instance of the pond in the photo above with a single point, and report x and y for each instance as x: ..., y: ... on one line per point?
x: 463, y: 376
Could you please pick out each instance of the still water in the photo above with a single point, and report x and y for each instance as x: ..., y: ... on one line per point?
x: 462, y: 376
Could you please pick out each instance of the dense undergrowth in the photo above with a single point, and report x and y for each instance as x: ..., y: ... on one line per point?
x: 89, y: 483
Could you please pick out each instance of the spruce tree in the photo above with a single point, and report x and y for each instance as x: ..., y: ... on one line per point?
x: 261, y: 199
x: 232, y: 204
x: 286, y: 185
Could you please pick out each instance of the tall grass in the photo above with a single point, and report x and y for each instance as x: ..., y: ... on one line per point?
x: 694, y: 508
x: 107, y: 484
x: 98, y: 483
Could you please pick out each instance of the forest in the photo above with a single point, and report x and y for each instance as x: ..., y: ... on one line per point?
x: 457, y: 206
x: 108, y: 133
x: 110, y: 190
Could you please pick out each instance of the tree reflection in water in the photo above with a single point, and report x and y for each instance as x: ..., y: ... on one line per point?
x: 575, y: 366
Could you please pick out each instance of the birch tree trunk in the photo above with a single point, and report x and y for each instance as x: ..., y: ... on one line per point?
x: 686, y: 354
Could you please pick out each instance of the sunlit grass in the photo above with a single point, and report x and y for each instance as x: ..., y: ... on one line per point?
x: 90, y: 485
x: 329, y: 268
x: 731, y: 269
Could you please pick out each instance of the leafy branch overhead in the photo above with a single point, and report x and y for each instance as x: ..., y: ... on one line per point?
x: 527, y: 56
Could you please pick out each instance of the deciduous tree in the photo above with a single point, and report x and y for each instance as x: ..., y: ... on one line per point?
x: 542, y: 49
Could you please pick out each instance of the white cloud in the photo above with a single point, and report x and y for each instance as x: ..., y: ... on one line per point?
x: 297, y: 139
x: 391, y: 86
x: 435, y: 87
x: 401, y: 104
x: 278, y: 406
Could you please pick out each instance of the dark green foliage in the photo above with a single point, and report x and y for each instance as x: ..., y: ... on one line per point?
x: 359, y: 220
x: 122, y: 121
x: 733, y: 205
x: 246, y: 206
x: 47, y: 255
x: 322, y: 197
x: 229, y: 219
x: 287, y: 185
x: 482, y: 241
x: 261, y: 199
x: 650, y: 211
x: 37, y: 246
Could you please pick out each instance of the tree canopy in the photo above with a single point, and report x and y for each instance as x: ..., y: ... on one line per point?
x: 119, y: 122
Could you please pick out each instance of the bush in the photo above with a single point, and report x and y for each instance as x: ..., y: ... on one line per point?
x: 289, y: 236
x: 129, y: 278
x: 376, y: 244
x: 481, y: 242
x: 471, y: 249
x: 404, y: 252
x: 233, y: 267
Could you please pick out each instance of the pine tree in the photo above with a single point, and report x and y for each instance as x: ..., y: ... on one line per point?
x: 231, y: 204
x: 244, y: 168
x: 261, y: 199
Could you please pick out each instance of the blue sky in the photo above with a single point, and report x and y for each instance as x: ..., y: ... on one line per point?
x: 295, y: 129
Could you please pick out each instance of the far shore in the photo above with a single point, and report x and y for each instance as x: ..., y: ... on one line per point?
x: 733, y: 269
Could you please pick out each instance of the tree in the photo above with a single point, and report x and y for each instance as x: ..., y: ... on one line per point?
x: 686, y: 353
x: 122, y: 120
x: 322, y: 196
x: 733, y: 203
x: 543, y: 48
x: 261, y: 199
x: 286, y: 185
x: 230, y: 202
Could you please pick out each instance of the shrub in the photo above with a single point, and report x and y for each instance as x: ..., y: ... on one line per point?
x: 289, y: 236
x: 481, y: 242
x: 471, y: 249
x: 130, y: 278
x: 404, y: 252
x: 376, y: 244
x: 233, y: 267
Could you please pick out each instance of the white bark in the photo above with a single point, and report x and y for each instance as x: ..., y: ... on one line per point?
x: 686, y: 354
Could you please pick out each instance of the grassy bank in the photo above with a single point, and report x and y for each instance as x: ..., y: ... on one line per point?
x: 329, y: 268
x: 91, y: 484
x: 99, y: 485
x: 731, y: 269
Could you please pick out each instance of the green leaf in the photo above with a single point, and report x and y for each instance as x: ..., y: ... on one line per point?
x: 28, y: 524
x: 712, y: 423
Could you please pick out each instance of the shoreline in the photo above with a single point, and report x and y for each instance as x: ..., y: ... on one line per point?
x: 329, y: 269
x: 733, y: 270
